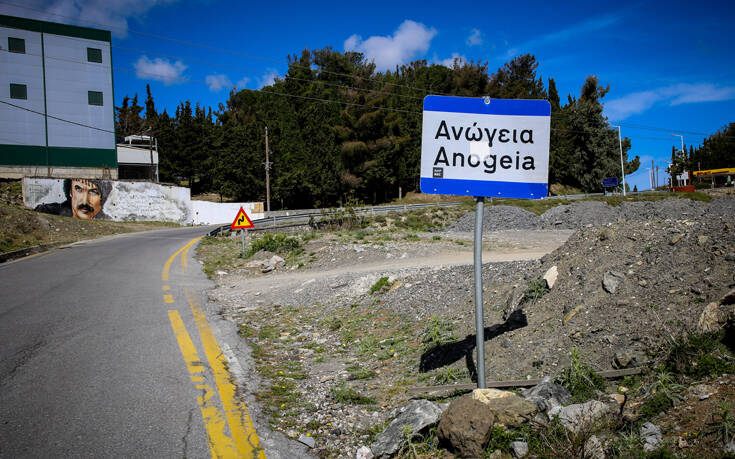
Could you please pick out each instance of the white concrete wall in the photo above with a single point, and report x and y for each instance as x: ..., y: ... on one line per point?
x: 135, y: 155
x: 21, y: 127
x: 206, y: 213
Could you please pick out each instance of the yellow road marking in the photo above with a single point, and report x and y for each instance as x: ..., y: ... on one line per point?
x: 168, y: 298
x: 166, y: 288
x: 241, y: 425
x: 220, y: 445
x: 167, y: 266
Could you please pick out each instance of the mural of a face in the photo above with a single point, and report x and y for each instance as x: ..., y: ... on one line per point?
x: 86, y: 199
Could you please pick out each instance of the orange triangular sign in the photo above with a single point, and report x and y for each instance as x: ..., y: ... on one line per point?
x: 242, y: 221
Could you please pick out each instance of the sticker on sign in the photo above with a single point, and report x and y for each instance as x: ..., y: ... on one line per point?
x: 485, y: 147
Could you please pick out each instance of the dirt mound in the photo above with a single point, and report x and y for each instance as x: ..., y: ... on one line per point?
x: 498, y: 218
x: 578, y: 214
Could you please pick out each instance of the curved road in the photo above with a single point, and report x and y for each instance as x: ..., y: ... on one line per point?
x: 106, y: 350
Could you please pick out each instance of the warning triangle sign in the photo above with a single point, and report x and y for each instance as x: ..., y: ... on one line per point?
x: 242, y: 221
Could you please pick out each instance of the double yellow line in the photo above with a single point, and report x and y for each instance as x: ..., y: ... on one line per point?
x: 242, y: 440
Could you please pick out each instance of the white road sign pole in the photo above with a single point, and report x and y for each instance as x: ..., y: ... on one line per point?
x: 485, y: 148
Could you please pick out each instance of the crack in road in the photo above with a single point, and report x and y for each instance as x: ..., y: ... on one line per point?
x: 184, y: 439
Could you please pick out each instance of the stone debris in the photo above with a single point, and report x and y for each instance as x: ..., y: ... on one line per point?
x: 307, y: 440
x: 415, y: 416
x: 508, y: 408
x: 580, y: 416
x: 651, y: 436
x: 546, y: 395
x: 611, y: 280
x: 364, y: 453
x: 519, y: 449
x: 550, y: 277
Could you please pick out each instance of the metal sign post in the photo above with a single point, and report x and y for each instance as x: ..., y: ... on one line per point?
x: 479, y: 313
x: 485, y: 147
x: 242, y: 237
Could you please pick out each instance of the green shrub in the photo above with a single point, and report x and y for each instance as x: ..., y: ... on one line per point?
x: 277, y: 243
x: 342, y: 393
x: 437, y: 332
x: 379, y: 285
x: 581, y: 380
x: 700, y: 355
x: 535, y: 290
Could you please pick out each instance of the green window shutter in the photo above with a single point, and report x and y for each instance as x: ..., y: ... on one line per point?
x: 94, y: 55
x: 18, y: 91
x: 94, y: 97
x: 16, y: 45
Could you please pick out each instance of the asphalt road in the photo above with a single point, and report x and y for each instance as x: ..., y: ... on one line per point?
x: 107, y: 351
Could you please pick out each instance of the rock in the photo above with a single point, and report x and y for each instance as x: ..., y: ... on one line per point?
x: 550, y: 277
x: 715, y: 317
x: 466, y: 426
x: 730, y: 447
x: 307, y: 440
x: 651, y: 436
x: 593, y: 448
x: 274, y: 262
x: 624, y: 359
x: 364, y: 453
x: 568, y: 316
x: 507, y: 407
x: 221, y: 273
x: 728, y: 256
x: 519, y: 448
x: 416, y: 415
x: 676, y: 239
x: 611, y: 280
x: 512, y: 303
x: 497, y: 454
x: 581, y: 416
x: 546, y: 395
x: 702, y: 239
x: 506, y: 343
x: 702, y: 391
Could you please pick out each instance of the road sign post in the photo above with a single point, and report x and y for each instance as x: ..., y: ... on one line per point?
x: 242, y: 222
x: 485, y: 147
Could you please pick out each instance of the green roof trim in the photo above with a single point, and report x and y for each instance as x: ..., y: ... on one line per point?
x: 32, y: 155
x: 55, y: 28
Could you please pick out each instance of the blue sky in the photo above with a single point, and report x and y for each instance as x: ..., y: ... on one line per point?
x: 670, y: 65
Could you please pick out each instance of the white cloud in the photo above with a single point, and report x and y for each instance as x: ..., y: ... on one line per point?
x: 411, y: 39
x: 159, y: 70
x: 683, y: 93
x: 217, y: 82
x: 242, y: 83
x: 475, y: 38
x: 267, y: 79
x: 102, y: 14
x: 449, y: 62
x: 582, y: 28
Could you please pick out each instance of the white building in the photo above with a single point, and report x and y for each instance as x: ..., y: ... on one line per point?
x: 57, y: 115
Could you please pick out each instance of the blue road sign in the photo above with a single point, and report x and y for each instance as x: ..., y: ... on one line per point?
x: 609, y: 182
x: 485, y: 147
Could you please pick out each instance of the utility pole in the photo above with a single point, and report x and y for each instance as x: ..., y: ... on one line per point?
x: 267, y: 174
x: 622, y: 168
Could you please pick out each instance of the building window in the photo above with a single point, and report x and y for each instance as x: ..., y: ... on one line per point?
x: 18, y: 91
x: 94, y: 55
x: 94, y: 97
x: 16, y: 45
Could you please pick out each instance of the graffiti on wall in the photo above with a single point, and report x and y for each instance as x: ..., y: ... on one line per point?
x: 84, y: 199
x: 107, y: 199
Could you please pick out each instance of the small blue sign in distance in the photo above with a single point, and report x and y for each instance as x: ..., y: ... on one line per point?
x: 485, y: 147
x: 609, y: 182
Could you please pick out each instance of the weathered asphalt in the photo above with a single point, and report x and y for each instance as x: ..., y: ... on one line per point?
x: 89, y: 364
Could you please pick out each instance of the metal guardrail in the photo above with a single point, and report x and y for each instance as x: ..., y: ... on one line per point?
x: 270, y: 222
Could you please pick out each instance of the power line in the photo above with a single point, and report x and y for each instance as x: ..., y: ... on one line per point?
x: 56, y: 117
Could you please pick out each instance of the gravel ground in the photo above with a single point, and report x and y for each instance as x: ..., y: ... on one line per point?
x: 583, y: 213
x: 322, y: 339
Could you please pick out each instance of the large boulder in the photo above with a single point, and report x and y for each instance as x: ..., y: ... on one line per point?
x: 580, y: 417
x: 465, y: 427
x: 546, y: 395
x: 508, y: 408
x: 651, y: 436
x: 415, y: 416
x: 611, y: 280
x: 718, y: 315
